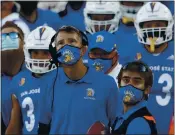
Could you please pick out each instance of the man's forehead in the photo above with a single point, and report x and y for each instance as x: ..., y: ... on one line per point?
x: 131, y: 74
x: 65, y: 35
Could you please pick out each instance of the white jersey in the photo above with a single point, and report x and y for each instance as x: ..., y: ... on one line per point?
x: 14, y: 17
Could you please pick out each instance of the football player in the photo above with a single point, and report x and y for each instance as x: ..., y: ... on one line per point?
x: 154, y: 24
x: 12, y: 58
x: 28, y: 86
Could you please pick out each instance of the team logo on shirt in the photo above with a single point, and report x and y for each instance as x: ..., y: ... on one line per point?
x: 90, y: 94
x: 22, y: 81
x: 100, y: 38
x: 68, y: 56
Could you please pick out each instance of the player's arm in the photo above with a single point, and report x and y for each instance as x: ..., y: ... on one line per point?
x: 15, y: 124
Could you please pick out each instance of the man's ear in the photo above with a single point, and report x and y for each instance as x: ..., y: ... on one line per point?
x: 84, y: 50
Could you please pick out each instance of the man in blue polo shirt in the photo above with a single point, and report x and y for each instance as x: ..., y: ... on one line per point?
x: 80, y: 96
x: 135, y: 81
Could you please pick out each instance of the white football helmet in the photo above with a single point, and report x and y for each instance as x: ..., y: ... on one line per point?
x: 100, y: 8
x: 154, y: 11
x: 130, y: 11
x: 39, y: 39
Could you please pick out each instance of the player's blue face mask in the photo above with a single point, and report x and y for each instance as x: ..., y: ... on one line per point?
x: 100, y: 64
x: 68, y: 55
x: 131, y: 95
x: 10, y: 41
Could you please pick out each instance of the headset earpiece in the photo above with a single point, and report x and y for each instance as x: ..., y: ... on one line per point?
x: 52, y: 50
x: 84, y: 38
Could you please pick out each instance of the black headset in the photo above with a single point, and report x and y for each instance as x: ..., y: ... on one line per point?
x: 52, y: 46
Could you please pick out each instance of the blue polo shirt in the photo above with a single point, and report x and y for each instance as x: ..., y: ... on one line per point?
x: 138, y: 125
x: 77, y: 105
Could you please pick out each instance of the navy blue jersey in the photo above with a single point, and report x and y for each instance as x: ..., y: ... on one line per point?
x: 161, y: 98
x: 27, y: 90
x: 45, y: 17
x: 73, y: 106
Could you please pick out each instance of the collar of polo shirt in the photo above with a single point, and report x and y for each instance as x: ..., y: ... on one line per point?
x: 87, y: 78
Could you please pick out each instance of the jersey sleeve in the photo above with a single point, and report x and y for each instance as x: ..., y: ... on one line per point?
x: 138, y: 126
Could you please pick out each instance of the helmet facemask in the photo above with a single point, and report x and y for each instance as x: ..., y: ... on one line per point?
x: 101, y: 16
x: 38, y: 66
x: 108, y: 24
x: 155, y: 36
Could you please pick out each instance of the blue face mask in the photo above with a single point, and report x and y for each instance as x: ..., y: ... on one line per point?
x: 68, y: 55
x: 131, y: 95
x: 100, y: 64
x: 9, y: 44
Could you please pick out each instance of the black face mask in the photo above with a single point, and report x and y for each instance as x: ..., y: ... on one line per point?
x: 76, y: 5
x: 27, y: 7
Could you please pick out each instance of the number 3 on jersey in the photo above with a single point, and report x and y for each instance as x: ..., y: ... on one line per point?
x: 166, y: 89
x: 29, y: 125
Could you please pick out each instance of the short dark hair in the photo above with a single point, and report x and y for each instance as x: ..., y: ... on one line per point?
x: 10, y: 24
x: 70, y: 29
x: 140, y: 67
